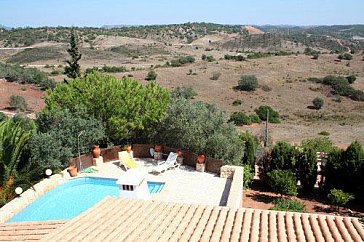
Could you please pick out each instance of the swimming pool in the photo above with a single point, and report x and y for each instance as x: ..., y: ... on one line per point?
x: 71, y: 198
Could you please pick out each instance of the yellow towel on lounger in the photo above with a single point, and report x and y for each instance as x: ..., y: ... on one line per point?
x: 128, y: 160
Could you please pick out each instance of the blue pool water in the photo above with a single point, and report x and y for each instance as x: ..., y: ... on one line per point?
x: 71, y: 198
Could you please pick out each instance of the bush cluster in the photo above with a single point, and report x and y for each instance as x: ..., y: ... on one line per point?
x: 18, y: 103
x: 108, y: 69
x: 262, y: 114
x: 318, y: 103
x: 256, y: 55
x: 341, y: 86
x: 16, y: 73
x: 235, y: 57
x: 208, y: 58
x: 181, y: 61
x: 345, y: 56
x: 288, y: 205
x: 248, y: 83
x: 240, y: 118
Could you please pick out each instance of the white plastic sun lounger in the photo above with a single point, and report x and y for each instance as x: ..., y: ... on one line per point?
x: 171, y: 162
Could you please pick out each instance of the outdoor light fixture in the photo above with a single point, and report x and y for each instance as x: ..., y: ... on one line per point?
x: 48, y: 172
x: 18, y: 190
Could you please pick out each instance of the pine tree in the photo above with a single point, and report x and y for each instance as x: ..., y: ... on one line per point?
x: 73, y: 68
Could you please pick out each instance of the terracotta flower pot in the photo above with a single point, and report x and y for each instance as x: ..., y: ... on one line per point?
x: 72, y: 170
x: 96, y: 151
x: 157, y: 148
x: 201, y: 159
x: 179, y: 153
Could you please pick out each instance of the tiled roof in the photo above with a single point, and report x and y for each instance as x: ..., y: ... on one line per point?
x: 27, y: 231
x: 116, y: 219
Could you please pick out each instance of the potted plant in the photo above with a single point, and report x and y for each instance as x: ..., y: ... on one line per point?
x: 72, y: 169
x: 96, y: 151
x: 201, y: 158
x: 179, y: 157
x: 157, y: 148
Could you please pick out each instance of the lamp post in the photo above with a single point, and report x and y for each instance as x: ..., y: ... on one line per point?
x: 78, y: 148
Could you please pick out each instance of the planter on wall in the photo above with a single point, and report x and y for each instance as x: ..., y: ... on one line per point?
x: 72, y: 170
x: 157, y: 148
x: 96, y: 151
x: 201, y: 159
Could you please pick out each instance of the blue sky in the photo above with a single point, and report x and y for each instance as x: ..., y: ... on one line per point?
x: 20, y: 13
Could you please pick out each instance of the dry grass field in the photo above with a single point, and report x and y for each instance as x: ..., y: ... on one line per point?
x: 282, y: 79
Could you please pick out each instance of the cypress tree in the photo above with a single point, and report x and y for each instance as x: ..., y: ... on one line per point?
x: 73, y: 68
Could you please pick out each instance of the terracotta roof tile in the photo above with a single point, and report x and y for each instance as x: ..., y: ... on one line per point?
x: 29, y: 231
x: 115, y: 219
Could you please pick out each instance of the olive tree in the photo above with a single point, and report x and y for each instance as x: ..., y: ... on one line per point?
x: 62, y: 134
x: 200, y: 127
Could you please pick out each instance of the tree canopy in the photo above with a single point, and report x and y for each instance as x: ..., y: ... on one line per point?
x: 125, y: 106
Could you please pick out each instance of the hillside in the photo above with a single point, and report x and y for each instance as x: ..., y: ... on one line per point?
x: 275, y: 55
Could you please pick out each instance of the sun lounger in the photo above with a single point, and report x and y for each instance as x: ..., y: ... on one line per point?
x: 127, y: 161
x: 171, y: 162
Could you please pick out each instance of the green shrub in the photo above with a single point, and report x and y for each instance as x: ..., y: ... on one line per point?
x: 288, y: 205
x: 16, y: 73
x: 282, y: 182
x: 234, y: 57
x: 237, y: 102
x: 339, y: 198
x: 324, y: 133
x: 47, y: 84
x: 240, y: 118
x: 345, y: 168
x: 18, y: 103
x: 254, y: 118
x: 351, y: 79
x: 345, y: 56
x: 210, y: 58
x: 113, y: 69
x: 262, y: 113
x: 215, y: 76
x: 248, y: 83
x: 357, y: 95
x: 55, y: 73
x: 151, y: 76
x: 251, y: 143
x: 182, y: 60
x: 186, y: 92
x: 248, y: 177
x: 2, y: 117
x: 318, y: 103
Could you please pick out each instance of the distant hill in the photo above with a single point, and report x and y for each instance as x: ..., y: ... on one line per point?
x: 336, y: 38
x: 4, y: 27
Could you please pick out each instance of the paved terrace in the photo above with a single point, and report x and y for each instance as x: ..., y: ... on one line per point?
x: 182, y: 185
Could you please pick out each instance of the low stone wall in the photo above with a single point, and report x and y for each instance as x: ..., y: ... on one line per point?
x: 236, y: 173
x: 108, y: 154
x: 30, y: 195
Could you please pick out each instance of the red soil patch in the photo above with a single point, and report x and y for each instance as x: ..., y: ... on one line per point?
x: 33, y: 95
x: 257, y: 197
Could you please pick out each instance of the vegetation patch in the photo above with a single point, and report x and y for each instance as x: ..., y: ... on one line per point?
x: 288, y: 205
x: 341, y: 86
x: 16, y: 73
x: 36, y: 54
